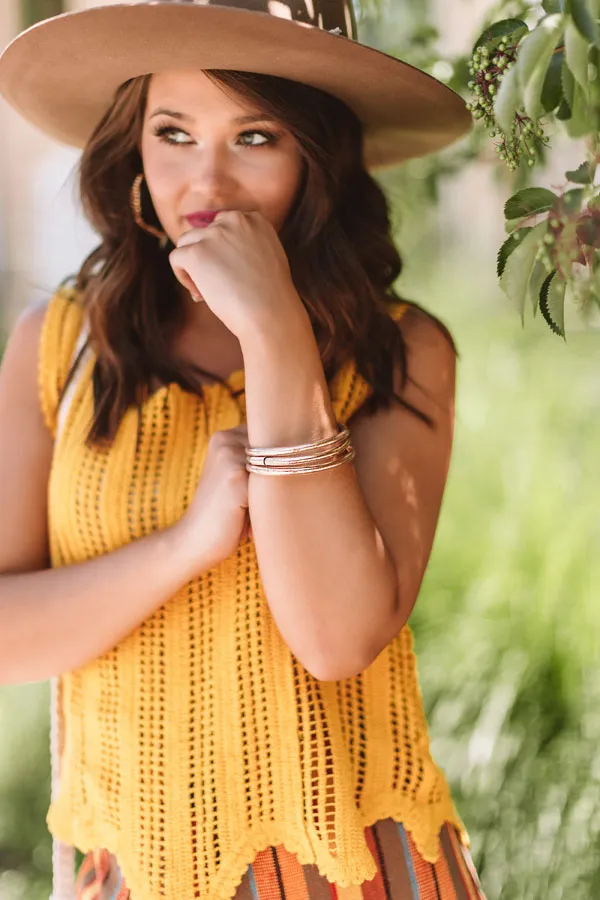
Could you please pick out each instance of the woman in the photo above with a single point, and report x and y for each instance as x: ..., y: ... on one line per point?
x: 238, y: 687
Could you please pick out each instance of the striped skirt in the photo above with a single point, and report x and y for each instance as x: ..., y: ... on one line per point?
x: 276, y: 873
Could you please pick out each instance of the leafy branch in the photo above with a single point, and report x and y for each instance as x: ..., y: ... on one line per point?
x: 523, y: 81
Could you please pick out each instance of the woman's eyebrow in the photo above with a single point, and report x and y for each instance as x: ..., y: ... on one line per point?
x: 240, y: 120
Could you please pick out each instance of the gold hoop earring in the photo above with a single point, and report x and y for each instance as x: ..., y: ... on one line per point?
x: 136, y: 208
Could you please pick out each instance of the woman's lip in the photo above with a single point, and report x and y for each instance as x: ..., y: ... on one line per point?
x: 197, y: 220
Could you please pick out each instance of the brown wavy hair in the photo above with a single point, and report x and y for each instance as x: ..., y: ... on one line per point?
x: 337, y: 238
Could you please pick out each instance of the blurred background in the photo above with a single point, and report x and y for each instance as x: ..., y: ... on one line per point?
x: 507, y: 622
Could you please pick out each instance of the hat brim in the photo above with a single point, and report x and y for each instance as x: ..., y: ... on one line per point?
x: 62, y: 73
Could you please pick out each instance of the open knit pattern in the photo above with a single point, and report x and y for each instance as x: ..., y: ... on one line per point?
x: 200, y: 740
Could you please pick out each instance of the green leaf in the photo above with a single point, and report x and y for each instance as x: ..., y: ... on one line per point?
x: 577, y: 54
x: 584, y: 20
x: 519, y: 266
x: 584, y: 174
x: 552, y: 303
x: 512, y: 225
x: 507, y: 248
x: 568, y: 84
x: 501, y: 29
x: 553, y: 6
x: 581, y: 121
x: 552, y: 88
x: 508, y: 100
x: 536, y: 43
x: 544, y: 288
x: 593, y: 74
x: 539, y: 274
x: 571, y: 200
x: 529, y: 201
x: 564, y: 111
x: 534, y: 59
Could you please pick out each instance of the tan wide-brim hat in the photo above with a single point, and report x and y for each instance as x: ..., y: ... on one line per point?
x: 62, y: 73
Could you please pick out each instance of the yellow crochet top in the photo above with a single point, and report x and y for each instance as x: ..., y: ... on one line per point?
x: 200, y: 740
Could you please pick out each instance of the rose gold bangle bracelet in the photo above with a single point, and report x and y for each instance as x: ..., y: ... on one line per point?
x: 323, y: 456
x: 323, y: 443
x: 341, y: 459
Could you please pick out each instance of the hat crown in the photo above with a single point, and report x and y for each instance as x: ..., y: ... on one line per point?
x: 328, y: 15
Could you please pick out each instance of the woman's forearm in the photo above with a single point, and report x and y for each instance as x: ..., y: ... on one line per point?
x: 328, y: 579
x: 56, y: 620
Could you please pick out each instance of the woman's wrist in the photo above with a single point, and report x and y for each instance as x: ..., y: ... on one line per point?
x: 287, y: 396
x: 289, y: 327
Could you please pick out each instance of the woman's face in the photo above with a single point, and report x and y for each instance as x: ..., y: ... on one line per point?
x: 203, y: 150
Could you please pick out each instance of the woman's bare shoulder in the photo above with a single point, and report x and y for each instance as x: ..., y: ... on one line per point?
x: 27, y: 328
x: 431, y: 356
x: 25, y: 448
x: 22, y: 347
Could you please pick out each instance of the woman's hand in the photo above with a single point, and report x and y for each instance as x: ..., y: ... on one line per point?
x: 238, y: 266
x: 217, y: 519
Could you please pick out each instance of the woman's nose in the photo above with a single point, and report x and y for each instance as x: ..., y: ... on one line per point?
x: 210, y: 164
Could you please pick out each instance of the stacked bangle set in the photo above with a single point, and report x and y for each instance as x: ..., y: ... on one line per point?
x: 327, y: 453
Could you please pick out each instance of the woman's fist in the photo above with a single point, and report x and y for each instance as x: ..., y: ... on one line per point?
x: 217, y: 519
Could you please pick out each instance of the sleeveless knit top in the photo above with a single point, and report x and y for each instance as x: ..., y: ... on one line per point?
x: 200, y: 739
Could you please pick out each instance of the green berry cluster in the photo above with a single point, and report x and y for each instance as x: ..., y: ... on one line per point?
x: 488, y: 66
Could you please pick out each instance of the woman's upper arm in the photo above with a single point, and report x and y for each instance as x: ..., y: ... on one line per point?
x: 402, y: 463
x: 25, y: 451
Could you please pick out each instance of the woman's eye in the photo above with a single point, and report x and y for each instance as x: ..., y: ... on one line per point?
x: 171, y: 135
x: 268, y: 137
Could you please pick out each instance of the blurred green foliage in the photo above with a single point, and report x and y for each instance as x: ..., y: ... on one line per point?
x: 33, y: 11
x: 508, y: 620
x: 25, y: 846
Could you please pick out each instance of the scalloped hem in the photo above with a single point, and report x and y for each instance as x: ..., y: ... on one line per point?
x: 424, y: 826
